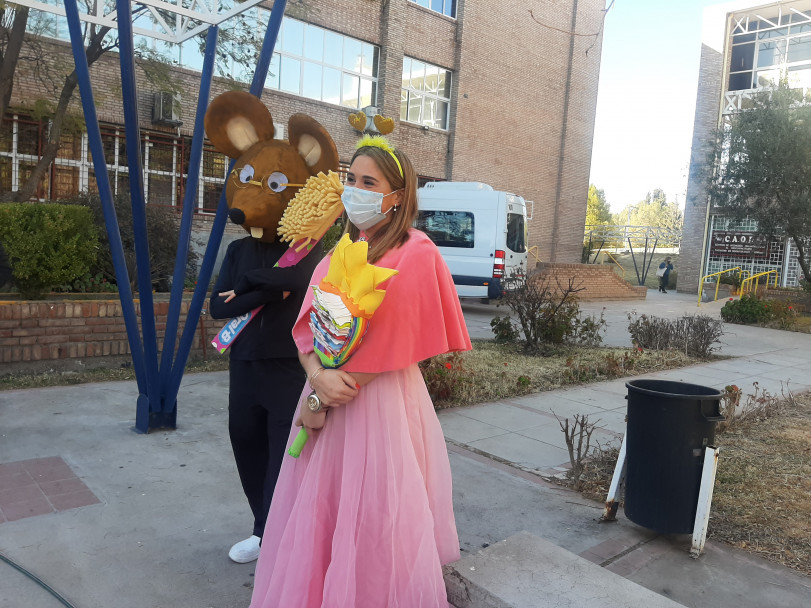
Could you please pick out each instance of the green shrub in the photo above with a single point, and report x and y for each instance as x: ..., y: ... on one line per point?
x: 747, y: 309
x: 333, y: 235
x: 48, y: 244
x: 504, y: 329
x: 445, y: 376
x: 163, y: 230
x: 88, y: 283
x: 751, y: 309
x: 731, y: 278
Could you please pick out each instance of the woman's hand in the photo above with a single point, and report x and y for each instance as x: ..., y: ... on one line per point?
x: 335, y: 387
x: 311, y: 421
x: 228, y: 295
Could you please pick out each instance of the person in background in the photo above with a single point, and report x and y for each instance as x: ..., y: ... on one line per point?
x: 664, y: 268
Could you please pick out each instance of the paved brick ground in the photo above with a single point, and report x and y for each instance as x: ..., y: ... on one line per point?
x: 39, y: 486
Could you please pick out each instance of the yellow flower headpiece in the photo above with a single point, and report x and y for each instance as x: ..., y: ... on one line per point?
x: 378, y: 141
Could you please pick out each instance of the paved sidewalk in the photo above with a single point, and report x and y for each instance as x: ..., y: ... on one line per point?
x: 108, y: 517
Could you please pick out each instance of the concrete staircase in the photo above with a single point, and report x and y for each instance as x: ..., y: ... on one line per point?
x: 526, y: 571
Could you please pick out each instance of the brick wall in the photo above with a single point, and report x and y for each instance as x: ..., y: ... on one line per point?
x: 800, y: 300
x: 599, y: 282
x: 708, y: 101
x: 510, y: 111
x: 52, y: 330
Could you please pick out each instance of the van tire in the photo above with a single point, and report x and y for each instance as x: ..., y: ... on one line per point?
x: 484, y: 301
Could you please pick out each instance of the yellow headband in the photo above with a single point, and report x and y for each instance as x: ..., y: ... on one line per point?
x: 378, y: 141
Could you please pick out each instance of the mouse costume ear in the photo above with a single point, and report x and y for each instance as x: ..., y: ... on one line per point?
x: 313, y: 143
x: 235, y: 121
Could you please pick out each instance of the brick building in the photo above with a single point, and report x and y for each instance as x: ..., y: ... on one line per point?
x: 478, y: 92
x: 746, y: 46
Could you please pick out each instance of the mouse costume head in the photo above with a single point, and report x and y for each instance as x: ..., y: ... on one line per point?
x: 268, y: 172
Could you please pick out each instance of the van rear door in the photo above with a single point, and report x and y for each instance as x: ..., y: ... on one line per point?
x: 516, y: 238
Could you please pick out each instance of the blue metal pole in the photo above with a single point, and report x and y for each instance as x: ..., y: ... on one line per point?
x: 133, y: 133
x: 218, y: 227
x: 189, y: 205
x: 106, y: 196
x: 268, y: 44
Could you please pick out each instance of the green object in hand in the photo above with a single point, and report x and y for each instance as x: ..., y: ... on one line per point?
x: 298, y: 443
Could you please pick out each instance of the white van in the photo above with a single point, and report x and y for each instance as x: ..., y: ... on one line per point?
x: 481, y: 233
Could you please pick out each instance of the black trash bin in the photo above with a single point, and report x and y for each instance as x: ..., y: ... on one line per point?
x: 669, y: 425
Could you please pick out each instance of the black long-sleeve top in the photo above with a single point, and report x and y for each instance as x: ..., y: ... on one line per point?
x: 248, y: 269
x: 5, y: 267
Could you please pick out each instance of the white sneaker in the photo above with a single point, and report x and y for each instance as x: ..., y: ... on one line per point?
x: 245, y: 551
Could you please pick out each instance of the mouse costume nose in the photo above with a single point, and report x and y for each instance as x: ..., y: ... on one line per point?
x: 237, y: 216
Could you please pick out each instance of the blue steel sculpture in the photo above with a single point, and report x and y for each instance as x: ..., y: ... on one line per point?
x: 158, y: 383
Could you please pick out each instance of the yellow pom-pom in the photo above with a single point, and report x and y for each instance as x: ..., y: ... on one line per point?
x: 313, y: 210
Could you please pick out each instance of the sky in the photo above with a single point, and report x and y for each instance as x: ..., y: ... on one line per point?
x: 646, y: 99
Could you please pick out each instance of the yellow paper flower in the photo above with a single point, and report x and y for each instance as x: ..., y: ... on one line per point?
x: 352, y: 277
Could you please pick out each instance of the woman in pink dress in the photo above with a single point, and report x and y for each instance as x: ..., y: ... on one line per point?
x: 364, y: 517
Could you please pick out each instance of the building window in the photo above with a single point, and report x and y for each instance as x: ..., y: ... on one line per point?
x: 426, y: 92
x: 323, y: 65
x: 165, y: 162
x: 764, y: 49
x: 446, y: 7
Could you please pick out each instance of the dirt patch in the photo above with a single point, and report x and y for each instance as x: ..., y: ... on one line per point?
x: 762, y: 500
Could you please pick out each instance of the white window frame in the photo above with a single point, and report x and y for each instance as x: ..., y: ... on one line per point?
x: 409, y: 91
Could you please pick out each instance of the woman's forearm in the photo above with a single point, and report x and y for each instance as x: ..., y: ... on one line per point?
x: 333, y: 386
x: 311, y: 364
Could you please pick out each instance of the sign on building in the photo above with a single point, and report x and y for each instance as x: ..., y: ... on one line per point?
x: 738, y: 243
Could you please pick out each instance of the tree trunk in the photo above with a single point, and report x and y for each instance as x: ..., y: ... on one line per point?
x: 801, y: 256
x: 94, y: 50
x: 8, y: 61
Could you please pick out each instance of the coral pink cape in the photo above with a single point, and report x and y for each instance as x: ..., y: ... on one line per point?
x: 364, y: 517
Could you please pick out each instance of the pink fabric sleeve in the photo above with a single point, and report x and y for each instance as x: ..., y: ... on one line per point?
x: 420, y: 317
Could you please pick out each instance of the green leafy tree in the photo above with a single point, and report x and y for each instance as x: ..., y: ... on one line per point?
x: 654, y: 211
x: 657, y: 212
x: 598, y: 213
x: 760, y: 167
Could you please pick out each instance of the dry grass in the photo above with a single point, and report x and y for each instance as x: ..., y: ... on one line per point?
x: 803, y: 324
x: 52, y: 377
x: 491, y: 372
x: 762, y: 497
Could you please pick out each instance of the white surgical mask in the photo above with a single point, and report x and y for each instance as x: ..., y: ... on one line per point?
x: 364, y: 207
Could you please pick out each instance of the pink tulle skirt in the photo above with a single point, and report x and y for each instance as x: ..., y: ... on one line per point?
x: 364, y: 517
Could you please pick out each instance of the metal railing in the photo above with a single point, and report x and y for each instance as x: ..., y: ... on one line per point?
x: 718, y: 281
x: 533, y: 251
x: 746, y: 284
x: 613, y: 259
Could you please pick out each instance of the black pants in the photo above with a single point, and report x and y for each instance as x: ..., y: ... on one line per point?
x: 262, y: 401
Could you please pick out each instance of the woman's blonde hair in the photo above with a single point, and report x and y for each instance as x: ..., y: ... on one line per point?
x: 395, y: 233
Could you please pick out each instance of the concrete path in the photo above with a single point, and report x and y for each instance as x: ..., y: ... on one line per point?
x: 108, y: 517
